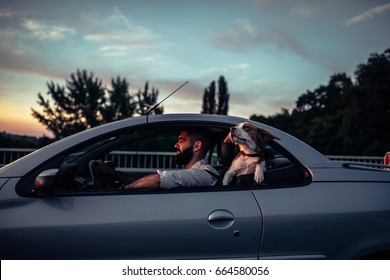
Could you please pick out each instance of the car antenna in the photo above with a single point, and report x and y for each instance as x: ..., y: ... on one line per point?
x: 158, y: 104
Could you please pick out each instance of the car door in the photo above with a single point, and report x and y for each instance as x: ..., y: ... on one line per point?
x: 132, y: 225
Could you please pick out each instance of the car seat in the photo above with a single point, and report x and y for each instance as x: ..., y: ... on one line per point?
x: 226, y: 152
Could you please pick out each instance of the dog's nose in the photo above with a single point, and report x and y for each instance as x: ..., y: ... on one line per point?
x: 232, y: 129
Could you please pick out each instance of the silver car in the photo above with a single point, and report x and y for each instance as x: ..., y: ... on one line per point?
x: 308, y: 207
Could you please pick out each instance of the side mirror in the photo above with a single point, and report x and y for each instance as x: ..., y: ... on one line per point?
x: 44, y: 184
x: 52, y: 180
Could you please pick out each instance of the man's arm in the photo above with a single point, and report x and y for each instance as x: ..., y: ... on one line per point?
x: 149, y: 181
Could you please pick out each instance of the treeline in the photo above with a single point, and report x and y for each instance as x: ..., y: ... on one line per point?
x: 348, y: 116
x: 8, y: 140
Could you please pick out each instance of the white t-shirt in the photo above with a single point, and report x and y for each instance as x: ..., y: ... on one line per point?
x: 196, y: 176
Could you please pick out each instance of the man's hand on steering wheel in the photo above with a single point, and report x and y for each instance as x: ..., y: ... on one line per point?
x: 102, y: 175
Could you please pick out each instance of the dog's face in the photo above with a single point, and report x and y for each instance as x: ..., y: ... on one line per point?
x: 248, y: 135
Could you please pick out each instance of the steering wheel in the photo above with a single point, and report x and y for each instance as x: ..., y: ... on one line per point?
x: 100, y: 180
x: 65, y: 177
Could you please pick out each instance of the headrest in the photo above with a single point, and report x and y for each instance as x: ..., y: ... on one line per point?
x: 268, y: 152
x: 226, y: 152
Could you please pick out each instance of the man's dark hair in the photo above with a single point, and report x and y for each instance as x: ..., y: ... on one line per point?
x: 199, y: 134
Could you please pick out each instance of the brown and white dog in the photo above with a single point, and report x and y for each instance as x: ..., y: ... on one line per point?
x: 248, y: 161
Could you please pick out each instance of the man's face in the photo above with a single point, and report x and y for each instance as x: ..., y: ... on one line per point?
x: 184, y: 148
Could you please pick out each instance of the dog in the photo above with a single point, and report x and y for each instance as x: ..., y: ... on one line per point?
x: 249, y: 160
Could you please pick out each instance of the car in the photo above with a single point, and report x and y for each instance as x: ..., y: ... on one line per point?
x: 308, y: 207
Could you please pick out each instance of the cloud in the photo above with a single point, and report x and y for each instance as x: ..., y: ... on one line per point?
x: 303, y: 10
x: 232, y: 70
x: 193, y: 90
x: 243, y: 36
x: 238, y: 36
x: 120, y: 34
x: 44, y: 31
x: 5, y: 13
x: 378, y: 10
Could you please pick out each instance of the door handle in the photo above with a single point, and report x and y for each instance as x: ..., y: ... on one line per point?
x: 221, y: 219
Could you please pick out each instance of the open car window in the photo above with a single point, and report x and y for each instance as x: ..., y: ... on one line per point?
x: 282, y: 169
x: 145, y: 150
x: 145, y: 155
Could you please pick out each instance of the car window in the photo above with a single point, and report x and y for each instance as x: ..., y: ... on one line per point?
x: 282, y: 169
x: 145, y: 155
x: 84, y: 150
x: 144, y: 151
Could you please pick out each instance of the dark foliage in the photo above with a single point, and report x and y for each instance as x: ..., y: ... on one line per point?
x: 214, y: 103
x: 344, y: 117
x: 22, y: 141
x: 84, y: 103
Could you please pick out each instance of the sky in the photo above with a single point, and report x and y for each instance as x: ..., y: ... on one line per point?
x: 269, y: 51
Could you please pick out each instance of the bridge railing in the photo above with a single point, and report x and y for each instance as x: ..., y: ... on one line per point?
x: 8, y: 155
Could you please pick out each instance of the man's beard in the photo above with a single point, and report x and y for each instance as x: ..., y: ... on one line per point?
x: 182, y: 158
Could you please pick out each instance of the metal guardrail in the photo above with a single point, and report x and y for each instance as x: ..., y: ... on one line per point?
x: 8, y: 155
x: 142, y: 161
x: 155, y: 160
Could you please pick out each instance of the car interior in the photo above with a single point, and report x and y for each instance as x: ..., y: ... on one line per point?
x: 141, y: 151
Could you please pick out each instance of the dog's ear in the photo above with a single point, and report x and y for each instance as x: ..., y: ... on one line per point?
x: 265, y: 136
x: 228, y: 138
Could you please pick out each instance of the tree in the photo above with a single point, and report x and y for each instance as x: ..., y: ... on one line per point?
x: 147, y: 100
x: 223, y: 97
x: 213, y: 104
x: 281, y: 120
x: 120, y: 104
x: 318, y: 116
x: 209, y: 99
x: 84, y: 103
x: 367, y: 118
x: 76, y: 107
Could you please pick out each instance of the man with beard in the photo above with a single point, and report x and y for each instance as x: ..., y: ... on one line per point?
x: 191, y: 147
